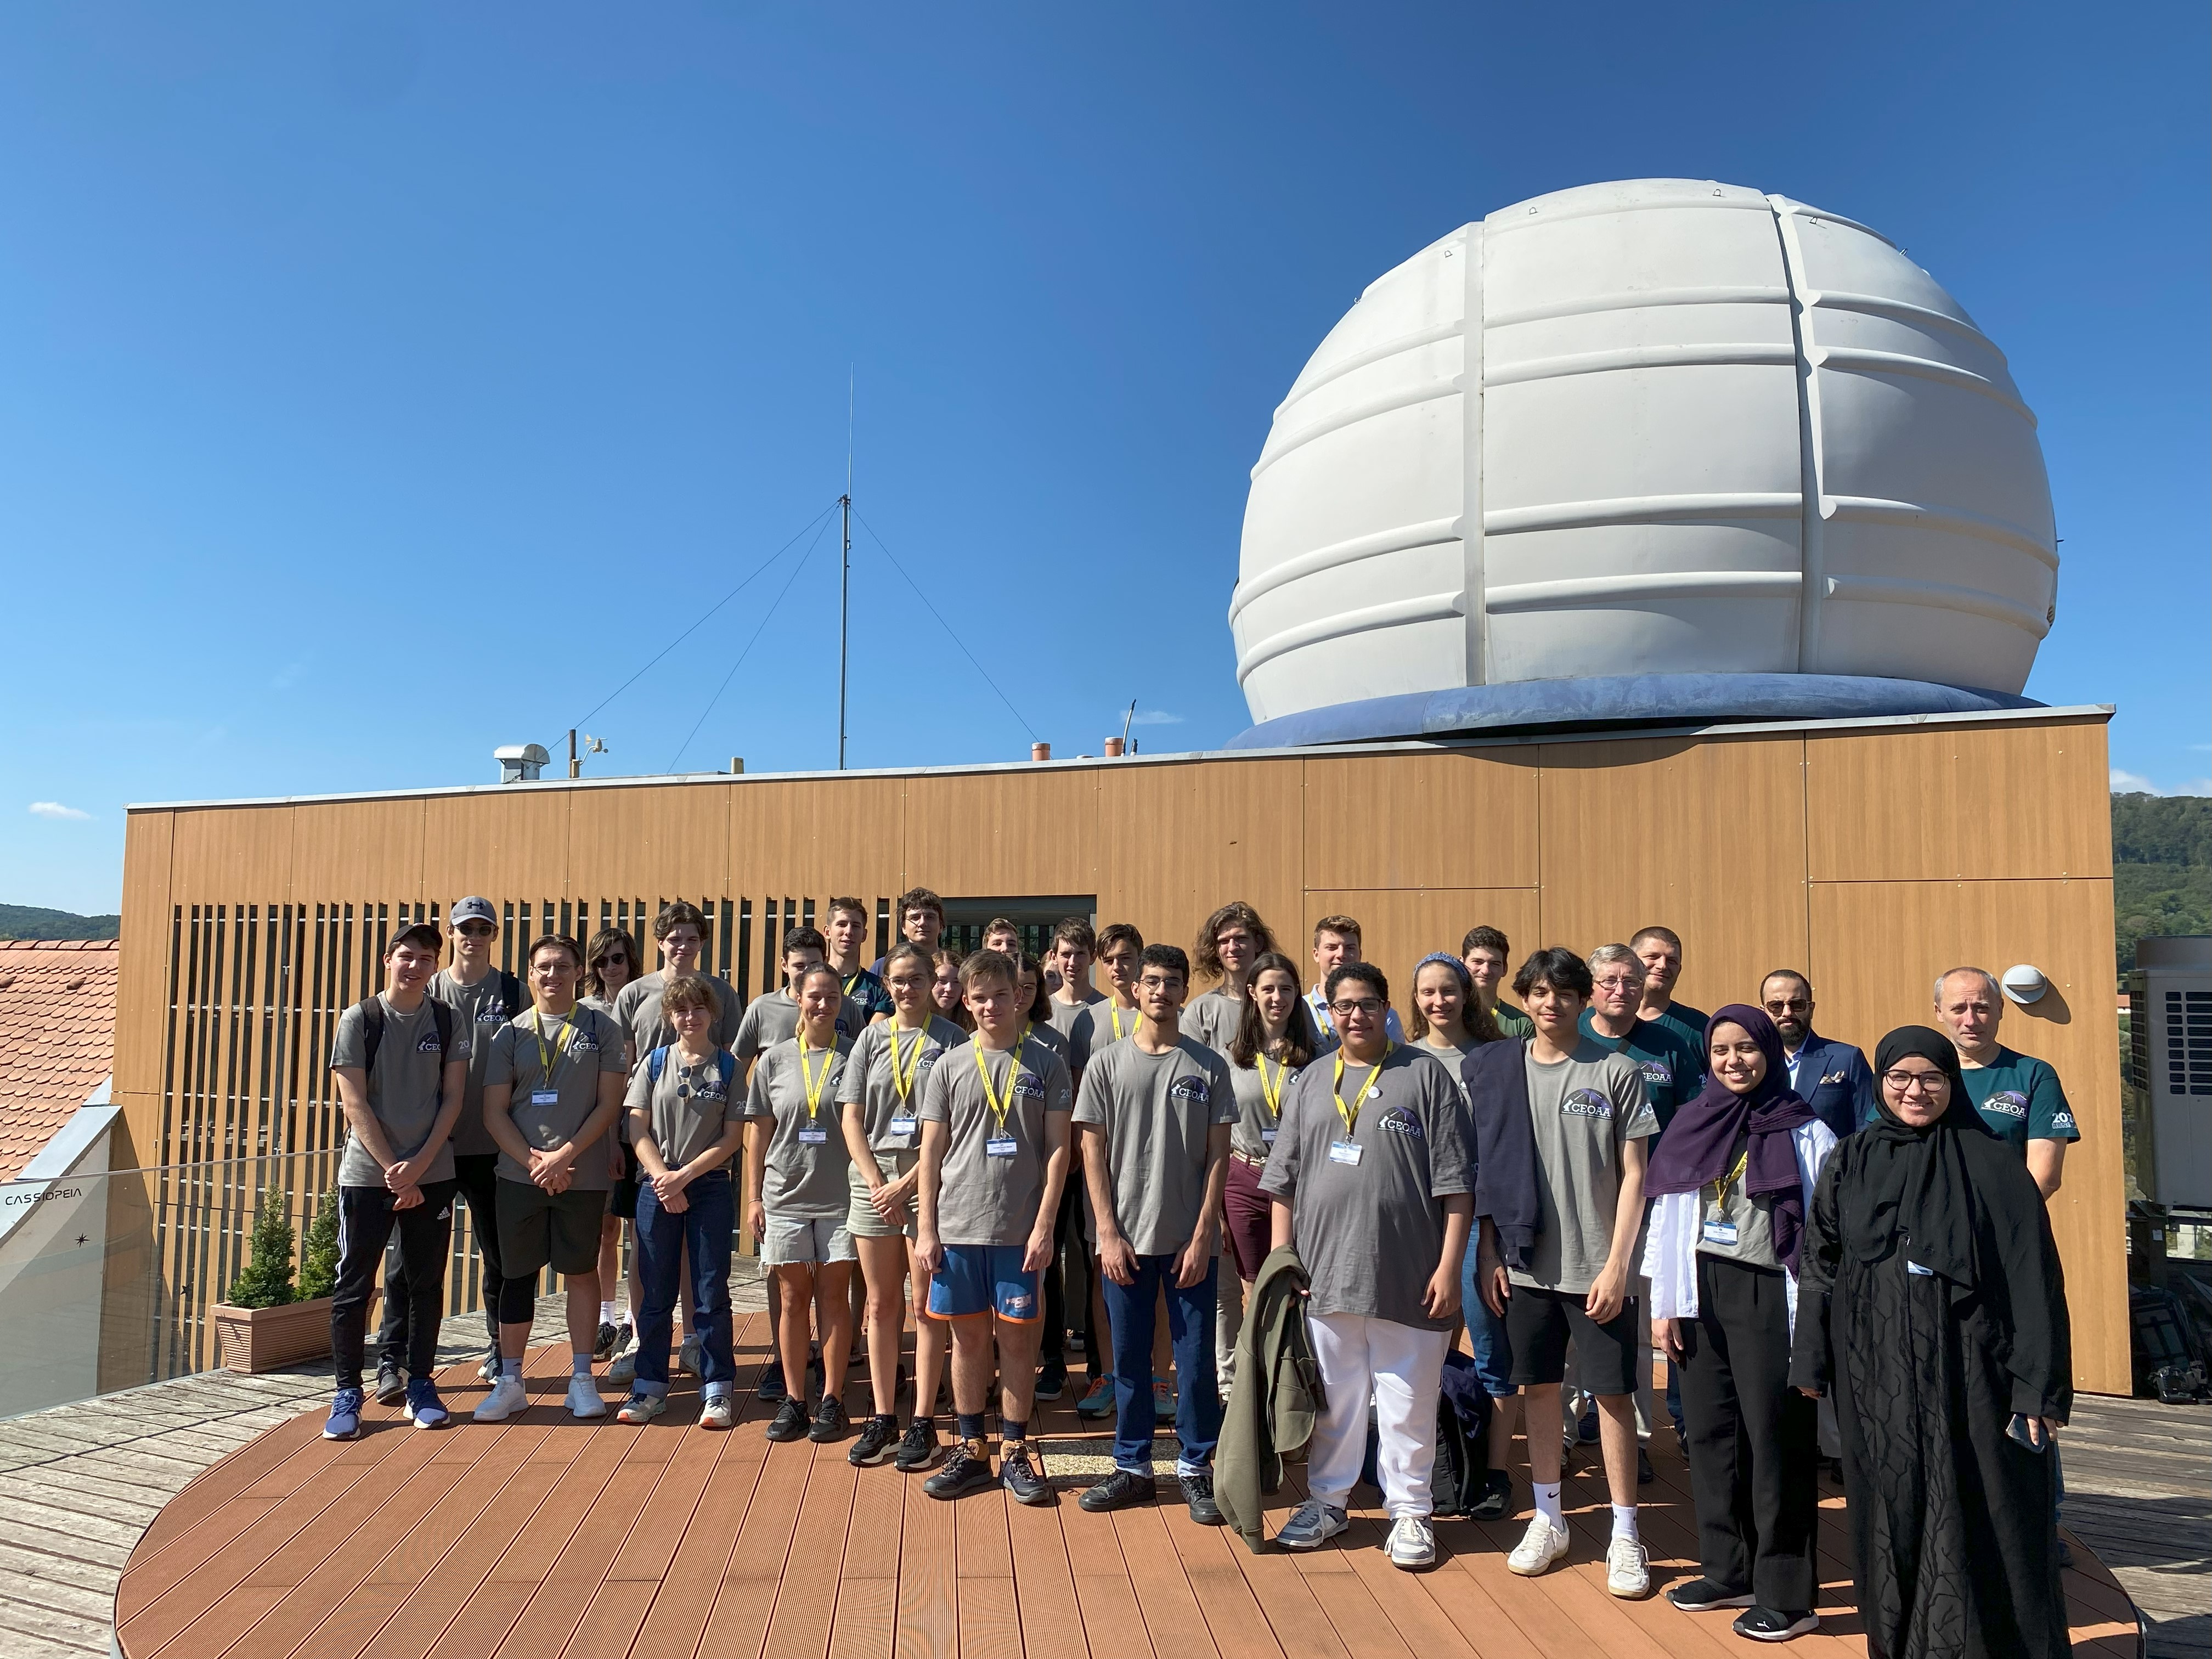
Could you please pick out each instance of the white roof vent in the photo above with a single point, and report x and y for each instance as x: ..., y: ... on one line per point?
x: 521, y: 762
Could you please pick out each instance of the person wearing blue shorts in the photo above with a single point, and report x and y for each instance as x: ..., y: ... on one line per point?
x: 994, y: 1126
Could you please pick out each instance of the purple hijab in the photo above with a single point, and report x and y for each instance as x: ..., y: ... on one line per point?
x: 1700, y: 1145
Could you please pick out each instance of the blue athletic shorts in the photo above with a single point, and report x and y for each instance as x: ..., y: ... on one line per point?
x: 984, y: 1279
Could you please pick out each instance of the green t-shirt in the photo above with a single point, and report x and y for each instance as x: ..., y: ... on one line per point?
x: 1689, y: 1024
x: 1668, y: 1064
x: 2018, y: 1097
x: 1511, y: 1022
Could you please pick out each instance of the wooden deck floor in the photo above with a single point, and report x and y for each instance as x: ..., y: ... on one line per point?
x: 544, y: 1537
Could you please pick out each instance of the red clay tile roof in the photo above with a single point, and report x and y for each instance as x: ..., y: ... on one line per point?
x: 57, y: 1038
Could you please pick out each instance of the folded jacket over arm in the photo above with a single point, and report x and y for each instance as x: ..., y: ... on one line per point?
x: 1277, y: 1399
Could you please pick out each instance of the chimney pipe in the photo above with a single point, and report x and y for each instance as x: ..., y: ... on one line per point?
x: 1040, y: 751
x: 737, y: 764
x: 1114, y: 747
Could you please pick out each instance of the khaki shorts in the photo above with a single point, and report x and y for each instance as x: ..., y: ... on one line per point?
x: 861, y: 1220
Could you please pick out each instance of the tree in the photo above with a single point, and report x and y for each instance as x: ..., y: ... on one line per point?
x: 267, y: 1281
x: 318, y: 1252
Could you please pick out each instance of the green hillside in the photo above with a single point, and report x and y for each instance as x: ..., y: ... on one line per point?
x: 2161, y: 868
x: 29, y: 921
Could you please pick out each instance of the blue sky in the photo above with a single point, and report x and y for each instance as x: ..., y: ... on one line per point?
x: 383, y: 384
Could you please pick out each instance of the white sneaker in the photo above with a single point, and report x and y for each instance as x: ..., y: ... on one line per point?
x: 1542, y: 1547
x: 508, y: 1396
x: 584, y: 1397
x: 622, y: 1369
x: 1628, y: 1568
x: 1313, y: 1524
x: 1411, y: 1544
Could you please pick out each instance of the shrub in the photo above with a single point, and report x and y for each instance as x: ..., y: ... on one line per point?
x: 267, y: 1281
x: 318, y: 1251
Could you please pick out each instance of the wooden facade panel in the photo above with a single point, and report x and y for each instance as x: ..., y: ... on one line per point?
x: 142, y: 974
x: 1179, y: 841
x: 1453, y: 818
x: 222, y: 854
x: 817, y: 838
x: 672, y: 839
x: 360, y: 847
x: 1877, y: 948
x: 1706, y: 837
x: 1398, y: 928
x: 510, y: 842
x: 1952, y: 802
x: 1005, y: 835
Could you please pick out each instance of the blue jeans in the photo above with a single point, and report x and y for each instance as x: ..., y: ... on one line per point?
x: 1485, y: 1334
x: 708, y: 1217
x: 1129, y: 1309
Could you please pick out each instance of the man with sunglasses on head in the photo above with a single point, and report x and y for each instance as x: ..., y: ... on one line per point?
x: 484, y: 997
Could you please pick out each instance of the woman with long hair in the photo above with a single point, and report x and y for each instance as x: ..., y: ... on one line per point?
x: 945, y: 989
x: 1277, y: 1040
x: 1448, y: 1017
x: 610, y: 962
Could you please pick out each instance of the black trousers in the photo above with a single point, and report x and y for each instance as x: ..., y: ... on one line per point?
x: 1068, y: 1226
x: 424, y: 1233
x: 477, y: 1177
x: 1753, y: 1440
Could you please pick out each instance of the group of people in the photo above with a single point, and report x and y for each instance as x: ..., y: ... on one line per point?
x: 1829, y: 1255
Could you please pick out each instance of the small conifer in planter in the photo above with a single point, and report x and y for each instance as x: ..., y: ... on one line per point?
x: 267, y: 1281
x: 265, y: 1324
x: 318, y: 1252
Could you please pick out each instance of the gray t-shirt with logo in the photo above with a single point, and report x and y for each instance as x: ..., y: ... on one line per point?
x: 1213, y: 1017
x: 1585, y: 1110
x: 1071, y: 1021
x: 483, y: 1009
x: 1156, y: 1112
x: 987, y: 1196
x: 1254, y: 1134
x: 1371, y: 1230
x: 807, y: 1176
x: 638, y: 1009
x: 689, y: 1108
x: 405, y: 1086
x: 583, y: 1048
x: 891, y: 1117
x: 774, y: 1019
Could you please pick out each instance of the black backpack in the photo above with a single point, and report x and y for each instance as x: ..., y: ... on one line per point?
x: 372, y: 1018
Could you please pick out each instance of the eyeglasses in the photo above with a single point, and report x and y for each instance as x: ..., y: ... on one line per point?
x: 1788, y: 1006
x: 477, y: 930
x: 1369, y: 1005
x: 1931, y: 1083
x: 1616, y: 982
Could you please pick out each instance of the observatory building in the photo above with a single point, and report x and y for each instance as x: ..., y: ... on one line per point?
x: 1657, y: 552
x: 1661, y: 449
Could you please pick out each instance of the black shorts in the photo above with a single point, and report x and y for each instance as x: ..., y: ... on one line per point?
x: 621, y: 1198
x: 1537, y: 1324
x: 538, y: 1229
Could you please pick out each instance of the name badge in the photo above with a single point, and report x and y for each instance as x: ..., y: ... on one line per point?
x: 1002, y: 1146
x: 903, y: 1125
x: 1718, y: 1231
x: 1919, y: 1272
x: 814, y: 1137
x: 1344, y: 1151
x: 545, y: 1096
x: 1267, y: 1136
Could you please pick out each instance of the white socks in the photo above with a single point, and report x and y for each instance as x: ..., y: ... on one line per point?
x: 1624, y: 1521
x: 1547, y: 1505
x: 606, y: 1313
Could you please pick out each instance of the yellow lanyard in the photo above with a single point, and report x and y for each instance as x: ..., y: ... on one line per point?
x: 548, y: 1057
x: 902, y: 1082
x: 998, y: 1113
x: 1273, y: 1092
x: 1721, y: 1187
x: 813, y: 1084
x: 1113, y: 1012
x: 855, y: 980
x: 1350, y: 1113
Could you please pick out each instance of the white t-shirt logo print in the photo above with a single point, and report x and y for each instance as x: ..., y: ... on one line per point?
x: 1585, y: 1103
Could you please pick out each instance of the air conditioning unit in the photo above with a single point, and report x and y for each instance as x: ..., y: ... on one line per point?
x: 2170, y: 1060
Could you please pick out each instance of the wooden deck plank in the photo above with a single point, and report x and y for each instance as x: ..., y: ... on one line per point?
x: 1171, y: 1614
x: 685, y: 1600
x: 867, y: 1619
x: 806, y: 1599
x: 552, y: 1615
x: 738, y: 1627
x: 928, y: 1624
x: 1044, y: 1584
x: 989, y: 1626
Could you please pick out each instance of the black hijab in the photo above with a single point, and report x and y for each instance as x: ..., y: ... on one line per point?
x: 1931, y: 1189
x: 1700, y: 1143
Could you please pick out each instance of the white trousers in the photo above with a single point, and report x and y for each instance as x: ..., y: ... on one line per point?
x: 1228, y: 1319
x: 1398, y: 1367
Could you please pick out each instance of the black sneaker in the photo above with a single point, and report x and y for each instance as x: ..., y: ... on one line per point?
x: 1118, y: 1490
x: 967, y: 1468
x: 1645, y: 1475
x: 878, y: 1435
x: 391, y: 1384
x: 771, y: 1383
x: 790, y: 1422
x: 1022, y: 1479
x: 829, y: 1422
x: 1198, y: 1492
x: 1704, y: 1594
x: 1765, y: 1624
x: 604, y: 1345
x: 1052, y: 1379
x: 917, y: 1448
x: 1497, y: 1500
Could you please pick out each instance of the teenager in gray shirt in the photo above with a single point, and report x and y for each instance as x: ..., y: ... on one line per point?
x: 401, y: 1104
x: 1370, y: 1180
x: 1155, y: 1113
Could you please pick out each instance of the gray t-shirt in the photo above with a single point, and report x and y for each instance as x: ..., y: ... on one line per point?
x: 986, y: 1196
x: 1213, y: 1017
x: 1449, y: 1057
x: 1737, y: 1226
x: 808, y: 1166
x: 1585, y: 1109
x: 1071, y: 1020
x: 483, y: 1009
x: 583, y: 1047
x: 638, y: 1009
x: 1102, y: 1023
x: 774, y: 1019
x: 866, y: 1081
x: 1254, y: 1134
x: 1156, y: 1112
x: 1371, y: 1232
x: 404, y: 1086
x: 689, y: 1108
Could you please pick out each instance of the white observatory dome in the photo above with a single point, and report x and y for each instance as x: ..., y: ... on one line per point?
x: 1663, y: 428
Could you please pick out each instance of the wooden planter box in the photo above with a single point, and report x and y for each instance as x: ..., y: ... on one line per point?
x: 270, y: 1339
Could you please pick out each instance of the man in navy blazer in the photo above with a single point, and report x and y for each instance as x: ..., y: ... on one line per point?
x: 1833, y: 1079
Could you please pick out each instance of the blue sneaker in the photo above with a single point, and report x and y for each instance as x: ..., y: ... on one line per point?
x: 345, y: 1416
x: 423, y: 1405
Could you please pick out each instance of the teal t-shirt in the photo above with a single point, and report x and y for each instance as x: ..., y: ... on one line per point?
x: 1669, y: 1065
x: 2018, y: 1097
x: 1689, y: 1024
